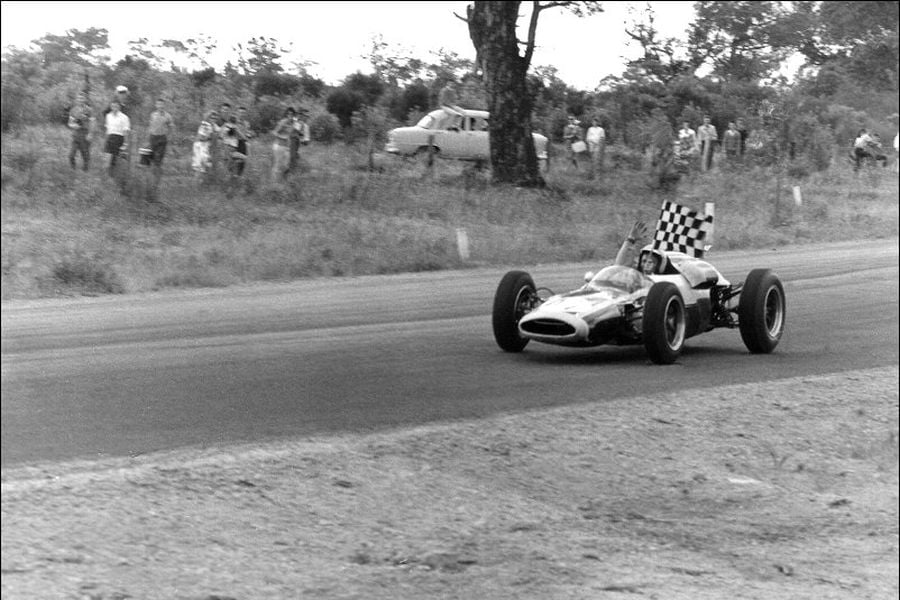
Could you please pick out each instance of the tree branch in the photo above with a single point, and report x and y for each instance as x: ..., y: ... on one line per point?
x: 532, y: 29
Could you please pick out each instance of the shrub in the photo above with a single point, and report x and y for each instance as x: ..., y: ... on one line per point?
x: 324, y: 127
x: 86, y: 275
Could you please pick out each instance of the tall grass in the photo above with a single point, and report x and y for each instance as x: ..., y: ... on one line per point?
x: 69, y: 232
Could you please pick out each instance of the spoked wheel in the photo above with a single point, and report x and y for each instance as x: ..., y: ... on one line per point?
x: 516, y: 296
x: 761, y: 311
x: 664, y: 323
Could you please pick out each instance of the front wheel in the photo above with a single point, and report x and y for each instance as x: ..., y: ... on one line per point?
x: 761, y: 311
x: 425, y: 155
x: 516, y: 296
x: 664, y: 323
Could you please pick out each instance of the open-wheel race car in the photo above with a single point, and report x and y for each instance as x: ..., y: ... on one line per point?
x: 620, y: 305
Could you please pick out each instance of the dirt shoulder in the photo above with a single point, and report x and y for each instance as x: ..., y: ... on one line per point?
x: 779, y: 490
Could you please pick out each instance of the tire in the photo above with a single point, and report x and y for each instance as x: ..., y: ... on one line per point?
x: 761, y: 311
x: 511, y: 302
x: 425, y: 156
x: 664, y: 323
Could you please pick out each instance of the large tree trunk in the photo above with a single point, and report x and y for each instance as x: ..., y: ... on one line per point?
x: 492, y: 27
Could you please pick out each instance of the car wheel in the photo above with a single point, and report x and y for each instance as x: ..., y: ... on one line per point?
x: 664, y: 323
x: 426, y: 155
x: 761, y: 311
x: 515, y: 297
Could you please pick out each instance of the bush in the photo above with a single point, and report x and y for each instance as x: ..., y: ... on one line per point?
x: 324, y: 127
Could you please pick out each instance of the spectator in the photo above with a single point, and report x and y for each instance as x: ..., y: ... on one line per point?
x: 224, y: 115
x: 123, y: 97
x: 201, y: 160
x: 118, y: 126
x: 596, y: 141
x: 281, y: 147
x: 160, y: 127
x: 234, y: 158
x: 218, y: 153
x: 299, y: 137
x: 708, y: 137
x: 687, y: 140
x: 244, y: 133
x: 744, y: 132
x: 572, y: 135
x: 731, y: 141
x: 864, y: 146
x: 81, y: 122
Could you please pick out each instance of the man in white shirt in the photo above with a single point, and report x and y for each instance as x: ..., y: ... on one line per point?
x: 708, y: 137
x: 596, y: 141
x: 118, y: 126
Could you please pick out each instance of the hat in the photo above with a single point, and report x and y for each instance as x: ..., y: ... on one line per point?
x: 121, y: 88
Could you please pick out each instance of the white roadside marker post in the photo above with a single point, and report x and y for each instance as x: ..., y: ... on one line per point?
x: 710, y: 210
x: 462, y: 244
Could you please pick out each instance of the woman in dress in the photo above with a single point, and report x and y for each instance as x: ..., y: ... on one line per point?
x: 202, y: 159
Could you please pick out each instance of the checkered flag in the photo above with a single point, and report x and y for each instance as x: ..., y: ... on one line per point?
x: 681, y: 229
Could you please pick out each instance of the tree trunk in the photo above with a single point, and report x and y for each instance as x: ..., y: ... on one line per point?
x: 492, y: 27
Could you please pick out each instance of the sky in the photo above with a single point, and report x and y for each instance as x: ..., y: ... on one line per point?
x: 336, y: 36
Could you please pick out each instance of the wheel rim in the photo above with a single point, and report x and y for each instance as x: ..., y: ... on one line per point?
x: 774, y: 311
x: 674, y: 323
x: 524, y: 303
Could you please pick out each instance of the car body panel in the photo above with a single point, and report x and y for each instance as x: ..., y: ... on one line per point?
x: 609, y: 308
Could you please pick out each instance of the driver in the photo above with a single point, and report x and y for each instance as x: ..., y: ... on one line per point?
x: 649, y: 262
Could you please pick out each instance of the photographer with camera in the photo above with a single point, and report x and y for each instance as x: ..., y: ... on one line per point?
x: 81, y: 122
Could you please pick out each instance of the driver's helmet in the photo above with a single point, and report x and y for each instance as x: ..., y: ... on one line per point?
x: 661, y: 259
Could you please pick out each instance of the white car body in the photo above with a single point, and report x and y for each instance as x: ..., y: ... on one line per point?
x: 460, y: 135
x: 616, y: 295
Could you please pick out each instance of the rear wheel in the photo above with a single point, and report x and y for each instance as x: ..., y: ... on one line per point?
x: 761, y: 311
x: 515, y: 297
x: 664, y: 323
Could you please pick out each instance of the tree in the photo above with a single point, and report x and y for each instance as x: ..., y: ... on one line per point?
x: 743, y: 41
x: 659, y: 60
x: 260, y: 54
x: 859, y: 39
x: 85, y: 47
x: 492, y: 28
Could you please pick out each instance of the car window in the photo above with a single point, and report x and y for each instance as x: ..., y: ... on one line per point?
x: 426, y: 122
x: 479, y: 124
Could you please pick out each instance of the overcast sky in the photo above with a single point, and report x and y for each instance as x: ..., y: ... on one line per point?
x: 337, y: 35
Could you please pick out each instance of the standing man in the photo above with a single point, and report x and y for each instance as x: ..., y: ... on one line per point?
x: 745, y: 133
x: 731, y: 142
x: 123, y: 97
x: 118, y: 126
x: 596, y: 141
x: 281, y: 147
x: 572, y: 134
x: 299, y: 137
x: 161, y: 126
x: 708, y: 137
x: 244, y: 133
x: 81, y: 122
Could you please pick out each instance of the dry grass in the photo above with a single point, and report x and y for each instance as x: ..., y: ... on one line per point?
x: 69, y: 232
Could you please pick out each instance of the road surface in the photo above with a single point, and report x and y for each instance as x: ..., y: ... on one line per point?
x: 128, y: 375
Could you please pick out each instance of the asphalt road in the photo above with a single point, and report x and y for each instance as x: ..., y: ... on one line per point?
x: 118, y: 376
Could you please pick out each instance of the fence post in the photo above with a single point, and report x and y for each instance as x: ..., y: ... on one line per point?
x: 462, y: 244
x: 709, y: 210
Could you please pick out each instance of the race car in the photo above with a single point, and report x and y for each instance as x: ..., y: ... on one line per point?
x: 620, y: 305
